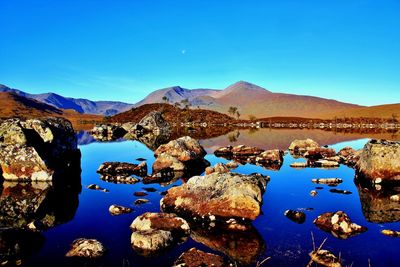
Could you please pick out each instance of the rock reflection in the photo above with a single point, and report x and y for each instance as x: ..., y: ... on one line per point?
x: 376, y: 204
x: 243, y: 247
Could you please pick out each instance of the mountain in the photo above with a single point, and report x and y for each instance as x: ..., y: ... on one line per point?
x: 107, y: 108
x: 251, y: 100
x: 15, y: 105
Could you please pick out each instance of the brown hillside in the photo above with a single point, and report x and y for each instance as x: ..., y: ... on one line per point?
x: 13, y: 105
x: 171, y: 114
x: 379, y: 112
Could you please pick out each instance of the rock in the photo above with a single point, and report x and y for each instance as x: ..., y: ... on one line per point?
x: 237, y: 151
x: 218, y: 168
x: 390, y: 233
x: 295, y: 216
x: 119, y: 179
x: 195, y: 258
x: 152, y: 232
x: 313, y: 193
x: 123, y: 169
x: 140, y: 194
x: 149, y: 189
x: 107, y: 132
x: 140, y: 201
x: 129, y: 127
x: 325, y: 258
x: 270, y: 158
x: 301, y: 146
x: 340, y: 191
x: 338, y: 224
x: 184, y: 149
x: 166, y: 161
x: 232, y: 165
x: 97, y: 187
x: 88, y: 248
x: 380, y: 159
x: 163, y: 175
x: 224, y: 196
x: 316, y: 153
x: 328, y: 181
x: 37, y: 150
x: 243, y: 247
x: 153, y: 122
x: 118, y: 210
x: 322, y: 163
x: 349, y: 156
x: 299, y: 165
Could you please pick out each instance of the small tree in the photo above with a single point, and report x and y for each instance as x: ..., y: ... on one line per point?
x: 185, y: 102
x: 237, y: 114
x: 232, y: 110
x: 165, y: 99
x: 252, y: 117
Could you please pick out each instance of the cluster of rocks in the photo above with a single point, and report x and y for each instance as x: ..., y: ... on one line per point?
x: 270, y: 159
x: 107, y: 132
x: 121, y: 172
x: 37, y: 150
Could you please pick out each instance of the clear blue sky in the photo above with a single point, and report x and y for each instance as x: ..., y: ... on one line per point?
x: 121, y: 50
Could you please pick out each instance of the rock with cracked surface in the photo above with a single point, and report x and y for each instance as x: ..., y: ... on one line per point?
x: 87, y: 248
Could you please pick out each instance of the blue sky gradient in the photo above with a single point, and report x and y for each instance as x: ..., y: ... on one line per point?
x: 347, y: 50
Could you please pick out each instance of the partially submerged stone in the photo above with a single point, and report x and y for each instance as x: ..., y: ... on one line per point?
x: 118, y: 210
x: 232, y: 165
x: 319, y: 153
x: 349, y: 156
x: 140, y: 194
x: 140, y: 201
x: 323, y: 163
x: 119, y: 179
x: 295, y: 216
x: 184, y: 149
x: 122, y: 169
x: 380, y: 159
x: 338, y: 224
x: 325, y: 258
x: 390, y: 233
x: 313, y: 193
x: 223, y: 196
x: 195, y: 258
x: 301, y: 146
x: 299, y: 165
x: 340, y: 191
x: 218, y: 168
x: 153, y: 232
x: 97, y: 187
x: 88, y: 248
x: 328, y: 181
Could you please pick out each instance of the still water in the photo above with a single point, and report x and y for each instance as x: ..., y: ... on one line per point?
x: 275, y: 236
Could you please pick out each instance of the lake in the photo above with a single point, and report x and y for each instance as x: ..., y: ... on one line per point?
x: 85, y: 214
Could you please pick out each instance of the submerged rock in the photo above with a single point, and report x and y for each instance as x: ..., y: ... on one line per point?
x: 118, y: 210
x: 295, y: 216
x: 223, y: 196
x: 140, y: 201
x: 327, y: 181
x: 390, y: 233
x: 153, y: 232
x: 37, y: 150
x: 88, y: 248
x: 338, y: 224
x: 325, y: 258
x: 313, y: 193
x: 340, y: 191
x: 97, y: 187
x: 195, y: 258
x: 380, y: 159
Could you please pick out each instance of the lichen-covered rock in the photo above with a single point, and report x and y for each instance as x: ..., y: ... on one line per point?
x: 223, y: 196
x: 301, y: 146
x: 270, y: 159
x: 338, y: 224
x: 195, y: 258
x: 323, y: 163
x: 153, y: 122
x: 327, y: 181
x: 36, y: 149
x: 218, y: 168
x: 152, y: 232
x: 118, y: 210
x: 165, y: 161
x: 325, y: 258
x: 232, y: 165
x: 184, y: 149
x: 319, y: 153
x: 88, y: 248
x: 237, y: 151
x: 123, y: 168
x: 380, y: 159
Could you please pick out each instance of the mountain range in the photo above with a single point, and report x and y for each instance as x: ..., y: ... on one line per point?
x: 251, y: 101
x: 106, y: 108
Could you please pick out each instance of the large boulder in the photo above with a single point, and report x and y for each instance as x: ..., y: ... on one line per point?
x: 154, y: 232
x: 380, y: 159
x: 349, y: 156
x: 153, y: 122
x: 184, y: 149
x: 36, y: 149
x: 227, y: 198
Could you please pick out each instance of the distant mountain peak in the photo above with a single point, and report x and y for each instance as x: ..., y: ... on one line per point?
x: 243, y: 85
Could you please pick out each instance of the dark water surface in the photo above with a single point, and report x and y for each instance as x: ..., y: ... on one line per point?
x: 275, y: 236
